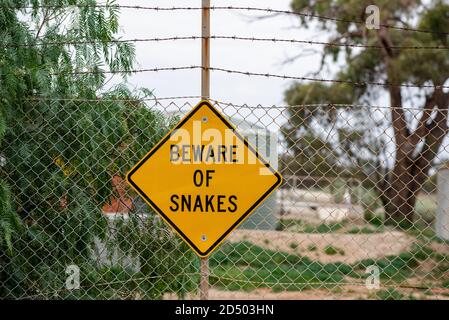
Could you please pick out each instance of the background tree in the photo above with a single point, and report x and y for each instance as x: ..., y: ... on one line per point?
x: 417, y: 136
x: 63, y: 138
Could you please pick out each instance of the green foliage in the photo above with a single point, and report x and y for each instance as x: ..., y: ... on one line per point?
x: 373, y: 219
x: 446, y: 284
x: 312, y: 154
x: 362, y: 144
x: 9, y: 221
x: 396, y: 268
x: 148, y: 241
x: 267, y: 268
x: 331, y: 250
x: 293, y: 245
x: 417, y: 66
x: 245, y: 266
x: 63, y: 139
x: 304, y: 227
x: 319, y: 108
x: 364, y: 230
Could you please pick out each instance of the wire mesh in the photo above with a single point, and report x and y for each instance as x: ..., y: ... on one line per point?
x: 329, y: 231
x: 360, y: 214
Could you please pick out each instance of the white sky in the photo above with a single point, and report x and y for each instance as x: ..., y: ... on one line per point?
x: 231, y: 54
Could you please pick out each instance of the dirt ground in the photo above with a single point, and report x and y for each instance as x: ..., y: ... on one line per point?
x: 354, y: 247
x: 351, y: 247
x: 345, y: 292
x: 441, y: 248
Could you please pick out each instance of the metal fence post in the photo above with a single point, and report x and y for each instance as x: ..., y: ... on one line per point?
x: 205, y: 94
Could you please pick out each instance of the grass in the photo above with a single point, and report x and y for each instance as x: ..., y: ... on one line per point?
x: 425, y: 208
x: 303, y: 227
x: 245, y: 266
x: 372, y: 218
x: 330, y: 250
x: 389, y: 294
x: 396, y: 268
x: 365, y: 230
x: 293, y: 245
x: 422, y: 226
x: 445, y: 284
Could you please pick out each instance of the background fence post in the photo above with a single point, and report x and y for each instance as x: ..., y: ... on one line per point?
x: 205, y: 94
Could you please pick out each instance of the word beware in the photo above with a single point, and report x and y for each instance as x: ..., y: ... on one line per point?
x: 203, y: 153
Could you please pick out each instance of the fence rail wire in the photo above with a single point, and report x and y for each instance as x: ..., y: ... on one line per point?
x: 237, y: 105
x: 238, y: 8
x: 256, y: 74
x: 225, y: 37
x: 320, y: 231
x: 325, y: 228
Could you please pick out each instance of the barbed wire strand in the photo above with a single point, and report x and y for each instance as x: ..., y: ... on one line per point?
x: 237, y: 8
x: 227, y: 104
x: 329, y: 104
x: 225, y: 37
x: 248, y: 73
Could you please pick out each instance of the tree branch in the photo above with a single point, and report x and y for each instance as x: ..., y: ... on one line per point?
x: 421, y: 129
x: 437, y: 130
x: 44, y: 21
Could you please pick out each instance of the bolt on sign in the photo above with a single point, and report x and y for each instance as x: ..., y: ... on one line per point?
x: 204, y: 178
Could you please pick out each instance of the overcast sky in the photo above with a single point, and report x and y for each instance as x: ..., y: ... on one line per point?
x: 260, y: 57
x: 240, y: 55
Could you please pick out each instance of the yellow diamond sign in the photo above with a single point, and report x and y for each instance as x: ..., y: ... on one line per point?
x: 204, y: 178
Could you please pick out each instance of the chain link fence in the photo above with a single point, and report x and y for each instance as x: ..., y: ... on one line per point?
x: 363, y: 212
x: 326, y: 233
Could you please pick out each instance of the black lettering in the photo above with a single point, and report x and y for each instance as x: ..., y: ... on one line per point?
x: 207, y: 203
x: 174, y: 198
x: 186, y: 202
x: 210, y: 154
x: 222, y: 153
x: 198, y: 204
x: 185, y: 153
x: 198, y: 182
x: 174, y: 152
x: 234, y: 153
x: 204, y: 153
x: 210, y: 204
x: 232, y: 201
x: 209, y: 176
x: 197, y: 153
x: 220, y: 203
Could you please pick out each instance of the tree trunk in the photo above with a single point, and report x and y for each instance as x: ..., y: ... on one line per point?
x: 411, y: 170
x: 401, y: 194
